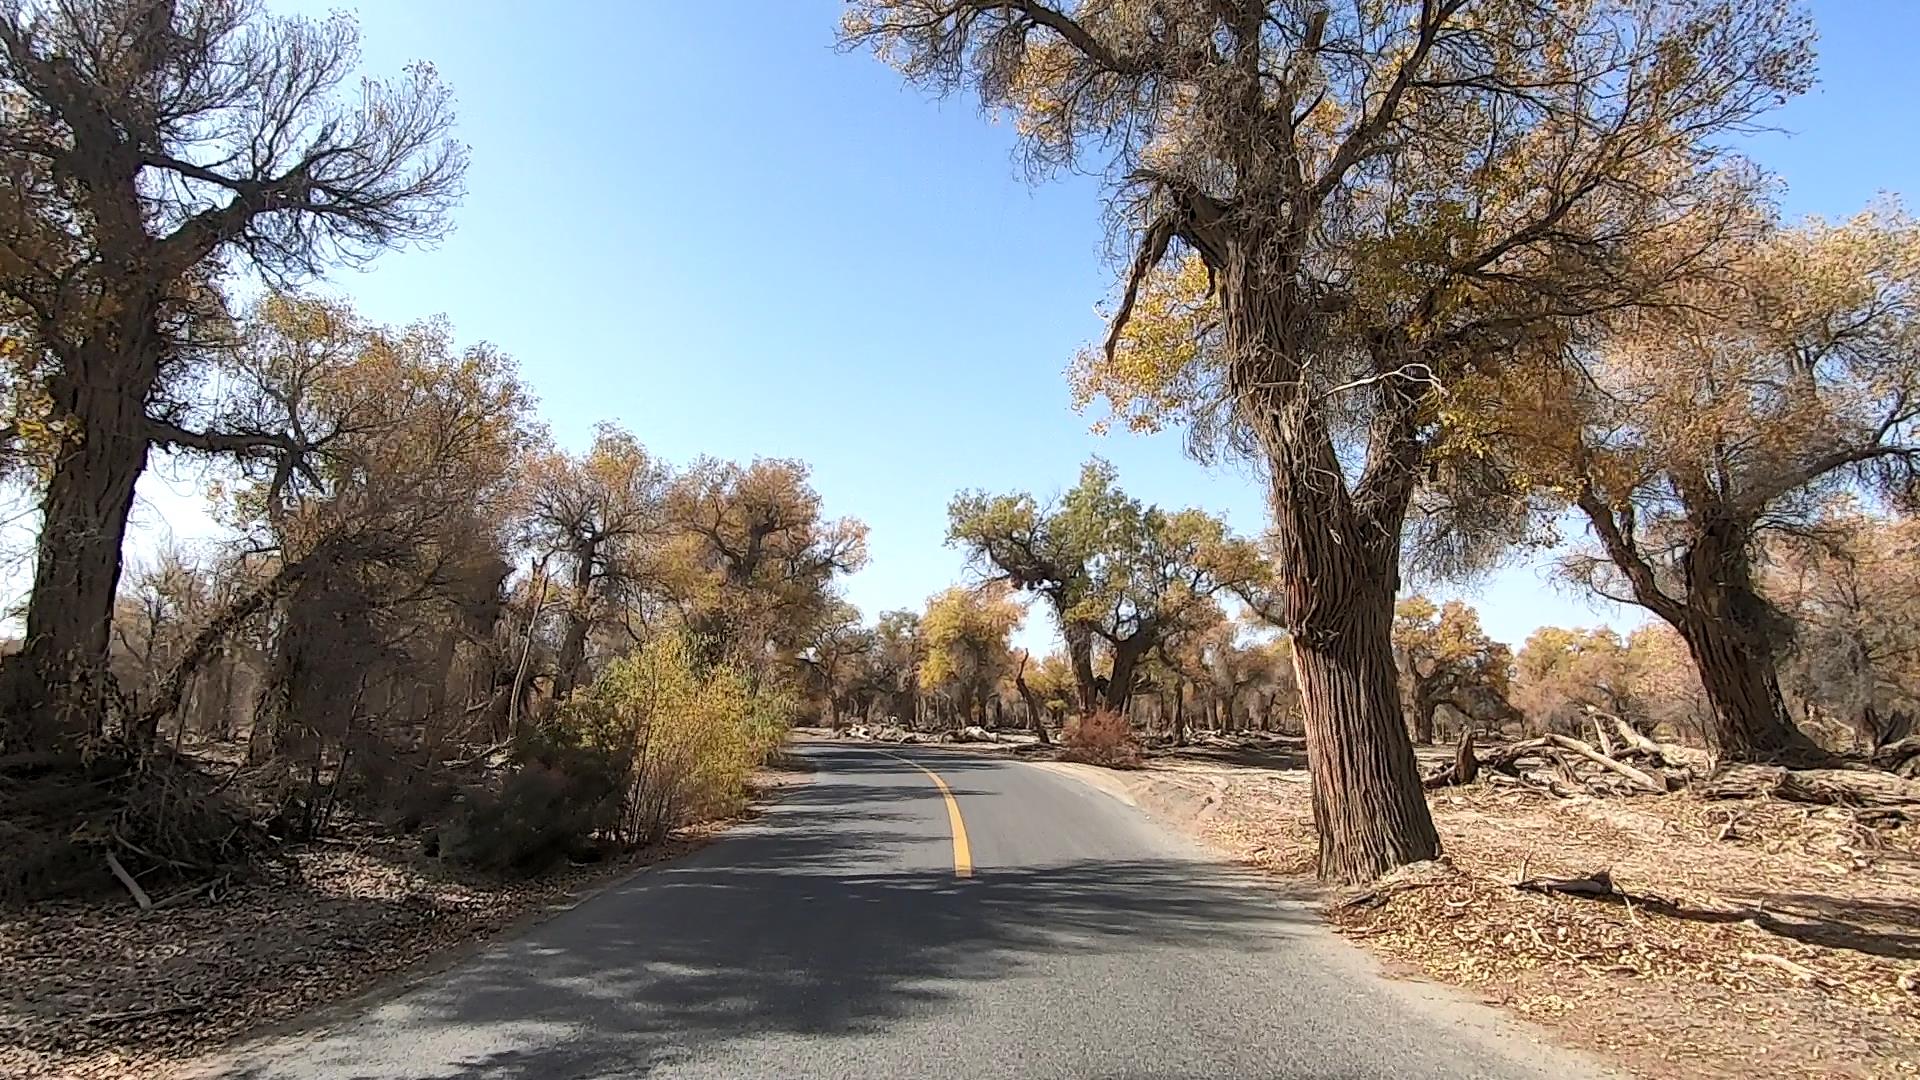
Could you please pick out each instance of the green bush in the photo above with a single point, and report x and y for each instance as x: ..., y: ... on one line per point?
x: 689, y: 735
x: 559, y: 794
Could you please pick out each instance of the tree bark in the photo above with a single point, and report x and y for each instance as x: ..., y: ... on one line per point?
x: 1126, y: 661
x: 1368, y: 805
x: 573, y: 648
x: 83, y: 526
x: 1750, y: 717
x: 1080, y: 655
x: 1425, y: 703
x: 1725, y: 626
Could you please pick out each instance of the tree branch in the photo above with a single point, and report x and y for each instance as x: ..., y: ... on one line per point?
x: 1620, y: 548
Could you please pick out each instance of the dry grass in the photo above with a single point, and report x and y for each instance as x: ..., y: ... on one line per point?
x: 1783, y: 939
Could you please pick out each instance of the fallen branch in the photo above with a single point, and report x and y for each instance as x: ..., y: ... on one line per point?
x: 139, y: 894
x: 1597, y: 884
x: 1644, y: 779
x: 1637, y: 741
x: 1885, y: 793
x: 146, y: 1013
x: 1799, y: 971
x: 1901, y: 758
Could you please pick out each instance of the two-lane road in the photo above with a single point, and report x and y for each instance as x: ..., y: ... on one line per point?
x: 846, y: 934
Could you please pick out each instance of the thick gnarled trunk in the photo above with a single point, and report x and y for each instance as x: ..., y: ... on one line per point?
x: 1080, y: 655
x: 1368, y: 806
x: 1127, y: 655
x: 1725, y: 626
x: 53, y: 684
x: 1337, y: 557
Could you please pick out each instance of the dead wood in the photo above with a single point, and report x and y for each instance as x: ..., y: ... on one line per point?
x: 1637, y: 742
x: 1638, y: 776
x: 1597, y: 884
x: 1901, y: 758
x: 1799, y: 971
x: 1465, y: 767
x: 120, y: 872
x: 1880, y: 791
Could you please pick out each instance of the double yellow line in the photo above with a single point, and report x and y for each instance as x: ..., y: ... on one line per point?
x: 962, y: 854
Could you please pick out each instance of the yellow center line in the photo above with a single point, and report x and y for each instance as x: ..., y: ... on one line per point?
x: 962, y: 854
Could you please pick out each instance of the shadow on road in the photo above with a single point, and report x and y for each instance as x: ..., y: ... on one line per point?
x: 788, y: 928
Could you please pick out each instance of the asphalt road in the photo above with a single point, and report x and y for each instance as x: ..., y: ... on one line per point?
x: 835, y: 936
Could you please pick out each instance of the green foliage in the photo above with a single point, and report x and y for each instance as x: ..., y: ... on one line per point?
x: 1110, y: 566
x: 687, y: 734
x: 560, y: 793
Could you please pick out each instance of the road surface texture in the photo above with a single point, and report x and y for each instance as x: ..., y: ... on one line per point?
x: 836, y: 936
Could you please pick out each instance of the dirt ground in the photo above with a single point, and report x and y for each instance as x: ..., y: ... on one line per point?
x: 99, y: 990
x: 1778, y: 939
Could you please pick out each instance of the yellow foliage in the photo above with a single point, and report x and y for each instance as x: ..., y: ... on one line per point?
x: 964, y: 632
x: 1159, y: 368
x: 690, y: 736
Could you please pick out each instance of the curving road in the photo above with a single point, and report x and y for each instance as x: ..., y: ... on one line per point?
x: 836, y: 936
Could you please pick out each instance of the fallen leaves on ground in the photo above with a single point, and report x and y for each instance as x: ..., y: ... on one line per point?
x: 1786, y: 940
x: 98, y: 989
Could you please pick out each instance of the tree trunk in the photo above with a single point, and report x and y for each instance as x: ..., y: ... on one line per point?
x: 1368, y: 805
x: 1126, y: 661
x: 1750, y: 717
x: 1080, y: 656
x: 1423, y: 706
x: 1036, y: 713
x: 573, y: 649
x: 52, y: 685
x: 1726, y: 628
x: 1179, y: 714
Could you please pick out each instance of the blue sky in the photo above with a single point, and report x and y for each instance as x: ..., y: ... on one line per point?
x: 701, y: 221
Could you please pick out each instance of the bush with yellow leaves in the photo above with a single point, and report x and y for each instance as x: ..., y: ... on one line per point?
x: 688, y: 735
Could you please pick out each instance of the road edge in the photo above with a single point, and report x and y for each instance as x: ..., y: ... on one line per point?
x: 210, y: 1063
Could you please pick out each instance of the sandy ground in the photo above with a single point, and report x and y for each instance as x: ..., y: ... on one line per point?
x: 1779, y: 939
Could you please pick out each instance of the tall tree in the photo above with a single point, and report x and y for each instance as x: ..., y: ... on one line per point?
x: 1045, y: 549
x: 966, y: 632
x: 1382, y: 197
x: 756, y: 561
x: 1733, y: 413
x: 389, y: 549
x: 1445, y: 658
x: 1851, y: 590
x: 599, y: 512
x: 148, y: 145
x: 838, y: 653
x: 1116, y: 572
x: 894, y: 663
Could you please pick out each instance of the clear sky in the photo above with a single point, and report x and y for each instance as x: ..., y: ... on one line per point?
x: 703, y: 222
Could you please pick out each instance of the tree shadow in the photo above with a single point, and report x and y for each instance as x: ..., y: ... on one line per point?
x: 792, y: 931
x: 1889, y: 928
x: 1264, y: 754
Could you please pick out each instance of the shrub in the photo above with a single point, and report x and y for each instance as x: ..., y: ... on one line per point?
x: 688, y: 735
x: 558, y: 795
x: 1100, y: 738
